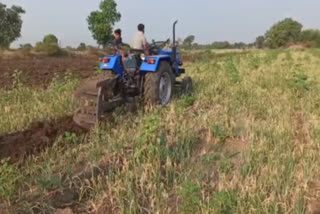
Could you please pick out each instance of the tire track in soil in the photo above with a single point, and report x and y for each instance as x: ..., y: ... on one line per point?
x: 34, y: 140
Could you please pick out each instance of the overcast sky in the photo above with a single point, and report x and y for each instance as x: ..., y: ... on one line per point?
x: 208, y: 20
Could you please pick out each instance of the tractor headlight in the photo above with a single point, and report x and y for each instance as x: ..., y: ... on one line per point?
x: 142, y: 57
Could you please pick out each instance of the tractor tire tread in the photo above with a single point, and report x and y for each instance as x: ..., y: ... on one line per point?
x: 151, y: 85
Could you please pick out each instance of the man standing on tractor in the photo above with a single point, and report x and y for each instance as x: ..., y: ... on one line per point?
x: 140, y: 41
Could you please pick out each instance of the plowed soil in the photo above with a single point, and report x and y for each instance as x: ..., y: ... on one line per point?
x: 38, y: 71
x: 41, y: 135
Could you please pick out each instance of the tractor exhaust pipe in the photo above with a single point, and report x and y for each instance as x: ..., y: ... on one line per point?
x: 174, y: 47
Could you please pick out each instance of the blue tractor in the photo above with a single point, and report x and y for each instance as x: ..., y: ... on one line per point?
x: 153, y: 78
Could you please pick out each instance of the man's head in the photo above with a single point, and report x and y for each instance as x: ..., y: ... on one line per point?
x: 117, y: 33
x: 141, y: 27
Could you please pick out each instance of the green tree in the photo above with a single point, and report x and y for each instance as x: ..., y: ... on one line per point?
x: 10, y: 24
x: 82, y: 47
x: 311, y: 37
x: 221, y: 45
x: 283, y: 33
x: 259, y: 43
x: 49, y: 46
x: 189, y: 40
x: 50, y: 39
x: 239, y: 45
x: 101, y: 22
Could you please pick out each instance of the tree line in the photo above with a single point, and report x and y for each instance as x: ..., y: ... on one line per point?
x: 101, y: 23
x: 281, y: 35
x: 189, y: 43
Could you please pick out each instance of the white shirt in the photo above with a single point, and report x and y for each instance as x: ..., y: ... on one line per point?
x: 139, y: 41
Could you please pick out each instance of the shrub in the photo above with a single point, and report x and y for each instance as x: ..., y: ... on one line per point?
x: 49, y: 46
x: 50, y: 39
x: 311, y: 37
x: 82, y: 47
x: 49, y: 49
x: 25, y: 48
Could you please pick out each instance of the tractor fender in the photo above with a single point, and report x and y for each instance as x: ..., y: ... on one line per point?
x: 113, y: 63
x: 151, y: 63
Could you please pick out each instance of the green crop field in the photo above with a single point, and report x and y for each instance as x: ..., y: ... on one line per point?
x: 246, y: 141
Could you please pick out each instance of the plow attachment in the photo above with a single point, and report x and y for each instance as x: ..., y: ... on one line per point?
x: 95, y: 97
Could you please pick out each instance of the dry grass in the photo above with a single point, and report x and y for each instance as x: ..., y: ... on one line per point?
x: 23, y: 105
x: 246, y: 141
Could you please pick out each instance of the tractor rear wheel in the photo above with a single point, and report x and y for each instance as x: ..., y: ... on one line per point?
x: 159, y: 86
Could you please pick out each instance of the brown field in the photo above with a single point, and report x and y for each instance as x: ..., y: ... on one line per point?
x: 39, y: 71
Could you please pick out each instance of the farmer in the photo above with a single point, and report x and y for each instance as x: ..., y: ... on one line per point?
x: 140, y: 40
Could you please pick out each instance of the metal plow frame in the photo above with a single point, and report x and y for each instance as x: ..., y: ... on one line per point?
x: 95, y: 98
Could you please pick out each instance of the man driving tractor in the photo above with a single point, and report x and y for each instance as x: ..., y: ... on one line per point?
x: 140, y: 40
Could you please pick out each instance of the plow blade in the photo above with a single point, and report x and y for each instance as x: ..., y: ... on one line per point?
x: 95, y: 97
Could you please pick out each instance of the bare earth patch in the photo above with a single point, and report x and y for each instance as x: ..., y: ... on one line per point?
x: 19, y: 145
x: 39, y: 71
x: 314, y: 201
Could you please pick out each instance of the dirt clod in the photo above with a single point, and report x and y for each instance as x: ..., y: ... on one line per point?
x: 32, y: 141
x: 64, y: 198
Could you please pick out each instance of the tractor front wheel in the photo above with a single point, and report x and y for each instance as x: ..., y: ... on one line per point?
x: 158, y: 86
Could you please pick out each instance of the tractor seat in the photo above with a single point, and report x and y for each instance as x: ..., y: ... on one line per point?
x: 130, y: 63
x: 132, y: 50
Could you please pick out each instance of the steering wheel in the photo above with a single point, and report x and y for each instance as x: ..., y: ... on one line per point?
x: 157, y: 45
